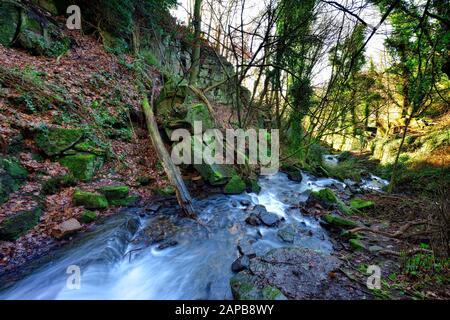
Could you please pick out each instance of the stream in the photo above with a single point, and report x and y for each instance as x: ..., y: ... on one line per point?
x: 118, y: 259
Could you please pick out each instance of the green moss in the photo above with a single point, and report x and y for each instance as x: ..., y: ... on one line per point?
x: 358, y: 203
x: 326, y: 195
x: 253, y: 186
x: 90, y: 147
x: 128, y: 201
x: 235, y: 186
x: 17, y: 225
x: 356, y: 244
x: 215, y: 174
x: 167, y: 191
x: 82, y: 166
x: 90, y: 200
x: 114, y: 192
x: 54, y: 184
x: 88, y: 216
x: 55, y: 141
x: 339, y: 222
x: 200, y: 113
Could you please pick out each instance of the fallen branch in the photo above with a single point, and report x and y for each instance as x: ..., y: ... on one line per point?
x: 182, y: 193
x: 396, y: 235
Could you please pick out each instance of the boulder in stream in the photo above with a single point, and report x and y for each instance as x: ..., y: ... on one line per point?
x: 66, y: 228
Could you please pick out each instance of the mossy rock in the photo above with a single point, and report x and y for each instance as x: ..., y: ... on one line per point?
x: 244, y: 287
x: 90, y: 200
x: 235, y: 186
x: 215, y: 174
x: 125, y: 202
x: 48, y: 5
x: 359, y: 204
x: 17, y: 225
x: 82, y: 166
x: 339, y: 221
x: 39, y: 36
x: 200, y: 112
x: 253, y: 186
x: 53, y: 185
x: 88, y: 216
x: 12, y: 177
x: 166, y: 191
x: 90, y: 147
x: 326, y: 195
x: 356, y: 244
x: 114, y: 192
x: 9, y: 22
x: 55, y: 141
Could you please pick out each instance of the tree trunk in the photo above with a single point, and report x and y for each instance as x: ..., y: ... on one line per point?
x: 183, y: 196
x: 197, y: 22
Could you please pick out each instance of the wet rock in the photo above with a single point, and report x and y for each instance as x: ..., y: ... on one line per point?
x: 240, y: 264
x: 160, y: 229
x: 245, y: 203
x: 269, y: 219
x: 154, y: 207
x: 245, y: 287
x: 288, y: 233
x: 246, y: 249
x: 126, y: 202
x: 66, y: 228
x: 167, y: 244
x: 253, y: 220
x: 295, y: 175
x: 298, y: 272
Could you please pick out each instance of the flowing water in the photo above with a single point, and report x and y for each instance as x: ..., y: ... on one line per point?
x: 117, y: 263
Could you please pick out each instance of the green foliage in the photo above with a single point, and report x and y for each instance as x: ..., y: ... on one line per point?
x: 426, y: 267
x: 326, y: 195
x: 17, y: 225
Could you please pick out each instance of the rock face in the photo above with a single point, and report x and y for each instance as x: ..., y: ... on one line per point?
x: 66, y: 228
x: 15, y: 226
x: 296, y: 273
x: 28, y: 28
x: 12, y: 177
x: 90, y: 200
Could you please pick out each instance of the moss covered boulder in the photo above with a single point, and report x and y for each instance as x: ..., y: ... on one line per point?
x: 253, y: 186
x: 12, y: 177
x: 40, y: 36
x: 339, y: 221
x: 17, y: 225
x: 114, y: 192
x: 215, y: 174
x: 82, y: 166
x: 54, y: 141
x: 326, y: 195
x: 235, y: 186
x: 88, y: 216
x: 9, y: 22
x: 356, y: 244
x: 89, y: 200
